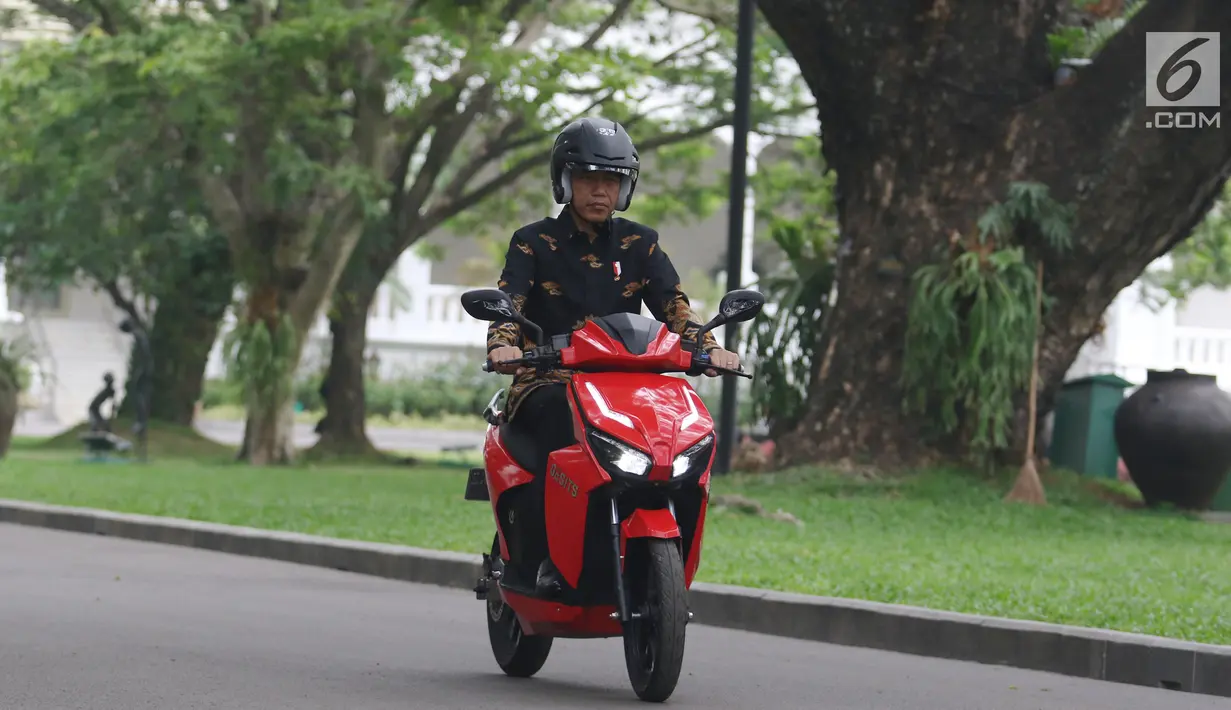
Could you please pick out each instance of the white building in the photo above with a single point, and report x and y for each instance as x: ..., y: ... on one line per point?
x: 28, y: 24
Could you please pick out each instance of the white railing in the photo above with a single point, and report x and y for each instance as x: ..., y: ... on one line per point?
x: 1204, y: 350
x: 434, y: 318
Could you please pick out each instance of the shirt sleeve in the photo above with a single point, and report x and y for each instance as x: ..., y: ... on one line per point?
x: 666, y: 300
x: 516, y: 279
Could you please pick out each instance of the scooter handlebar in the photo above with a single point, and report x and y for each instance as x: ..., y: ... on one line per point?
x: 528, y: 361
x: 701, y: 363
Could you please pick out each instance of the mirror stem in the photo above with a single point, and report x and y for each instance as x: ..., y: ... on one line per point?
x: 717, y: 321
x: 533, y: 327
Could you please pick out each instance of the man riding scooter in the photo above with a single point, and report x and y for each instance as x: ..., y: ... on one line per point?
x: 560, y: 272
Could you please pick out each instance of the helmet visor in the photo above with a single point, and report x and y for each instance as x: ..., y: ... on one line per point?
x: 595, y: 168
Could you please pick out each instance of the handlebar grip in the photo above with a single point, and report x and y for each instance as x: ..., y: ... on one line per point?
x: 701, y: 363
x: 490, y: 366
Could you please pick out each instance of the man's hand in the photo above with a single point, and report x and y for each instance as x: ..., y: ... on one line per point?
x: 722, y: 358
x: 504, y: 354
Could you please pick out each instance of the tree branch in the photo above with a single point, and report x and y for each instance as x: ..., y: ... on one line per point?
x: 679, y: 51
x: 428, y: 114
x: 444, y: 141
x: 341, y: 234
x: 605, y: 95
x: 719, y: 13
x: 617, y: 13
x: 105, y: 20
x: 224, y: 208
x: 72, y: 13
x: 336, y: 220
x: 453, y: 194
x: 450, y: 129
x: 446, y: 209
x: 432, y: 112
x: 123, y: 302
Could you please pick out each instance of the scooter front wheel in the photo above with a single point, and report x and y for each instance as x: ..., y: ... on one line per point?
x: 517, y: 654
x: 654, y: 642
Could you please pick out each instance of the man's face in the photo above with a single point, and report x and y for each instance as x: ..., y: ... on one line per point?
x: 595, y: 194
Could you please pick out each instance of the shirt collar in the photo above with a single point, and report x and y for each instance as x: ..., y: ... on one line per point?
x: 565, y: 218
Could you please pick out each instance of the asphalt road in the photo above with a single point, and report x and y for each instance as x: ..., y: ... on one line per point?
x: 104, y: 624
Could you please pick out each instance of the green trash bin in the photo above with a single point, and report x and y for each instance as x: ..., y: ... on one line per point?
x: 1083, y: 428
x: 1222, y: 502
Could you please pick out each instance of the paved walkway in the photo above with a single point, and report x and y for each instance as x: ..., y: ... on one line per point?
x: 232, y: 432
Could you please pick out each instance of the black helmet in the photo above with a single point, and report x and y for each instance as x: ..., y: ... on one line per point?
x: 594, y: 145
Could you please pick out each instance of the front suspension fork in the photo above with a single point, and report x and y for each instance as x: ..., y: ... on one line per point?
x: 621, y: 595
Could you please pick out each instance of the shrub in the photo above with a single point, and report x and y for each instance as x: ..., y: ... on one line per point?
x: 457, y: 389
x: 449, y: 389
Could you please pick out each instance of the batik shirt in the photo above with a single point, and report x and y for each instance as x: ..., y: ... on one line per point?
x: 559, y: 277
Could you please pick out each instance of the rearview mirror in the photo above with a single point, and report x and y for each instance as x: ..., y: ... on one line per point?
x: 492, y: 304
x: 742, y: 305
x: 735, y: 307
x: 489, y: 304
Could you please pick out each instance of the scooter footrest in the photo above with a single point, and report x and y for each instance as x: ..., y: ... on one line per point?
x: 476, y: 485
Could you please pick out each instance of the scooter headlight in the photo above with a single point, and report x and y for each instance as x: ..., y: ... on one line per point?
x: 615, y: 454
x: 694, y: 457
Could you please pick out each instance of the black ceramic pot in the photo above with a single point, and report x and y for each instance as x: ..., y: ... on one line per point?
x: 1174, y: 435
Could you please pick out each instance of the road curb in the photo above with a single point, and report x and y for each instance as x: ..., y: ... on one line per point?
x: 1068, y: 650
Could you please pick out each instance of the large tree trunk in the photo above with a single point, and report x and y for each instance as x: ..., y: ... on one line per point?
x: 184, y: 328
x: 343, y: 430
x: 929, y: 111
x: 269, y: 429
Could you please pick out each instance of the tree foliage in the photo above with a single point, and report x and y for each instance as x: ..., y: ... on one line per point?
x: 88, y: 192
x: 1202, y: 260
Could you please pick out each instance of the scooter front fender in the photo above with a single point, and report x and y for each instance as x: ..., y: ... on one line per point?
x: 658, y: 523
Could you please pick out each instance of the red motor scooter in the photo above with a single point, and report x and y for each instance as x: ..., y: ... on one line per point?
x: 624, y: 507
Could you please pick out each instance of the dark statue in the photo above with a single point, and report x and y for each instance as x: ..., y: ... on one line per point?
x: 98, y: 422
x: 99, y: 439
x: 140, y: 384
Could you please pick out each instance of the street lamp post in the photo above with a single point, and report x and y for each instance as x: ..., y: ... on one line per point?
x: 728, y: 421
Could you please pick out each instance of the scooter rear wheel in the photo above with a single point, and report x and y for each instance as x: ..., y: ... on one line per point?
x: 517, y: 654
x: 654, y: 643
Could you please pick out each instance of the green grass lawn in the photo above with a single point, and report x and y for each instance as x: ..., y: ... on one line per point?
x: 941, y: 539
